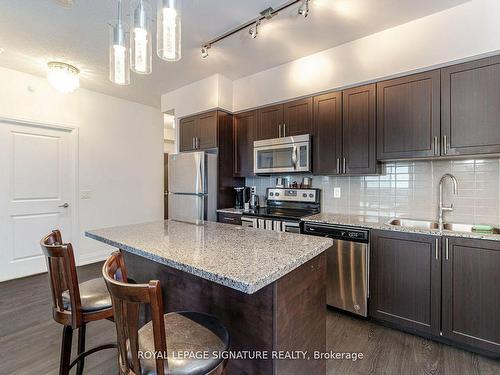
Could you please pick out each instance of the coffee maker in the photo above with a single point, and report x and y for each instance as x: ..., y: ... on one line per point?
x: 242, y: 196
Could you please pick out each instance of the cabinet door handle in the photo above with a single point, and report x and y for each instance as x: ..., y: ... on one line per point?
x: 197, y: 142
x: 437, y: 248
x: 284, y: 130
x: 447, y: 249
x: 344, y: 165
x: 445, y: 145
x: 436, y: 146
x: 279, y: 131
x: 194, y: 143
x: 338, y: 165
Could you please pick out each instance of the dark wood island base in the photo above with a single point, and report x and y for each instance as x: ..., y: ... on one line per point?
x: 287, y: 317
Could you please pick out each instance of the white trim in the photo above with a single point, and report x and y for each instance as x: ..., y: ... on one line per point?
x: 31, y: 122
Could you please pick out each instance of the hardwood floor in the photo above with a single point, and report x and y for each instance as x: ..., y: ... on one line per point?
x: 30, y: 340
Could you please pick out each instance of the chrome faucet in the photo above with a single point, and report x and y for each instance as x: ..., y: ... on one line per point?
x: 441, y: 207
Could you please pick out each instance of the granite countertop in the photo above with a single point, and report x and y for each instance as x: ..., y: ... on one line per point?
x: 245, y: 259
x: 379, y: 222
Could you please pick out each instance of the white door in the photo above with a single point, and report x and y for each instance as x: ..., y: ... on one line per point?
x: 36, y: 191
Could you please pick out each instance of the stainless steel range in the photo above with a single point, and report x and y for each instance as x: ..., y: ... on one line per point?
x: 285, y: 208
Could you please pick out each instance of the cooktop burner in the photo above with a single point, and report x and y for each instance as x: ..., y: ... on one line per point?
x: 289, y: 204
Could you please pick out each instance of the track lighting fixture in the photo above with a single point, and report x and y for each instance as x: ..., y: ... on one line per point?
x: 304, y: 9
x: 254, y: 30
x: 253, y: 25
x: 204, y: 51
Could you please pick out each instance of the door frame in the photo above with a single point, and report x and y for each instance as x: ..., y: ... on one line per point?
x: 74, y: 132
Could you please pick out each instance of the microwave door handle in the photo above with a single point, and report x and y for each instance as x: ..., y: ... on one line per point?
x: 294, y: 157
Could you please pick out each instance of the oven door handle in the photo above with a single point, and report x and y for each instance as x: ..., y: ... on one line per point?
x: 294, y: 157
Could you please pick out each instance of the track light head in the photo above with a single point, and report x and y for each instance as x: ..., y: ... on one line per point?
x: 254, y: 30
x: 204, y: 51
x: 304, y: 9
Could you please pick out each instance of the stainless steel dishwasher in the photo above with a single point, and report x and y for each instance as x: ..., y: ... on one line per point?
x: 347, y: 266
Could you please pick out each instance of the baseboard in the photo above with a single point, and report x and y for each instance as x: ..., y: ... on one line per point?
x: 93, y: 257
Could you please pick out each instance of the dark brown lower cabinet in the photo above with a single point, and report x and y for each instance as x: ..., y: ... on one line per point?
x: 471, y: 292
x: 405, y: 280
x: 228, y: 218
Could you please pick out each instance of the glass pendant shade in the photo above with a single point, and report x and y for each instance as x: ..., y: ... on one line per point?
x: 119, y: 59
x: 169, y: 30
x: 141, y: 38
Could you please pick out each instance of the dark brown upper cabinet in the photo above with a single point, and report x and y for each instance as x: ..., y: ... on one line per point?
x: 245, y: 126
x: 345, y: 132
x: 359, y: 130
x: 207, y: 130
x: 269, y: 122
x: 199, y: 132
x: 327, y: 133
x: 470, y: 108
x: 297, y: 117
x: 408, y: 111
x: 405, y: 280
x: 284, y: 120
x: 471, y: 296
x: 187, y: 134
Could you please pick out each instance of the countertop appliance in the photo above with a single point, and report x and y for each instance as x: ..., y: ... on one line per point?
x: 239, y: 200
x: 192, y: 187
x: 285, y: 208
x: 282, y: 155
x: 347, y: 266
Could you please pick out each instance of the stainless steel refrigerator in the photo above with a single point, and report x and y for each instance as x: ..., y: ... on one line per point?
x: 192, y: 187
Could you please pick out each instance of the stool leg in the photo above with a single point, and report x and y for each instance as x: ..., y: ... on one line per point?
x: 65, y: 360
x: 81, y: 349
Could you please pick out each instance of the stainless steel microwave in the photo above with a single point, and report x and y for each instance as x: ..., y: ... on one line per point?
x: 282, y: 155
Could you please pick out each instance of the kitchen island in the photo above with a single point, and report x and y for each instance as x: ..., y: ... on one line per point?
x: 268, y: 288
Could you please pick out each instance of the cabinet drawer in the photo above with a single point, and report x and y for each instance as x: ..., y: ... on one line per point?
x: 224, y: 217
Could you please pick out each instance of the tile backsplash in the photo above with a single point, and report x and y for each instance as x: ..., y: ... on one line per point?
x: 410, y: 189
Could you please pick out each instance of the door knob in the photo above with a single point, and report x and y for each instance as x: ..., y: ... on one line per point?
x: 65, y: 205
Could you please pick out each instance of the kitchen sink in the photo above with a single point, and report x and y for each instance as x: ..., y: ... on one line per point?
x: 420, y: 224
x: 425, y: 224
x: 467, y: 228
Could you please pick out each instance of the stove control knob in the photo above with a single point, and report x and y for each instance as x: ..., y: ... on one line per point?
x: 304, y: 195
x: 311, y: 195
x: 271, y: 194
x: 277, y: 194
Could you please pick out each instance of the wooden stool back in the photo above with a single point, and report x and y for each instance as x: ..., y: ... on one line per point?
x: 127, y: 299
x: 63, y: 277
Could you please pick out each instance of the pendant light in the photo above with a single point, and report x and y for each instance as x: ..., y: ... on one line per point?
x: 140, y: 37
x: 119, y: 68
x: 169, y: 30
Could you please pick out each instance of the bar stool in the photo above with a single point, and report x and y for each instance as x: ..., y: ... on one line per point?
x: 73, y: 305
x: 177, y: 332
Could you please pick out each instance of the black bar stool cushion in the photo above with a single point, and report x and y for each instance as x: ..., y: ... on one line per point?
x: 94, y: 296
x: 186, y: 331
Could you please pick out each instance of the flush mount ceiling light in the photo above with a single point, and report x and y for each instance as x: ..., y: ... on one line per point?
x: 266, y: 14
x: 63, y: 77
x: 65, y: 3
x: 304, y: 9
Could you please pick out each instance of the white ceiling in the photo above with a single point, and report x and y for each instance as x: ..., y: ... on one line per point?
x: 33, y: 32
